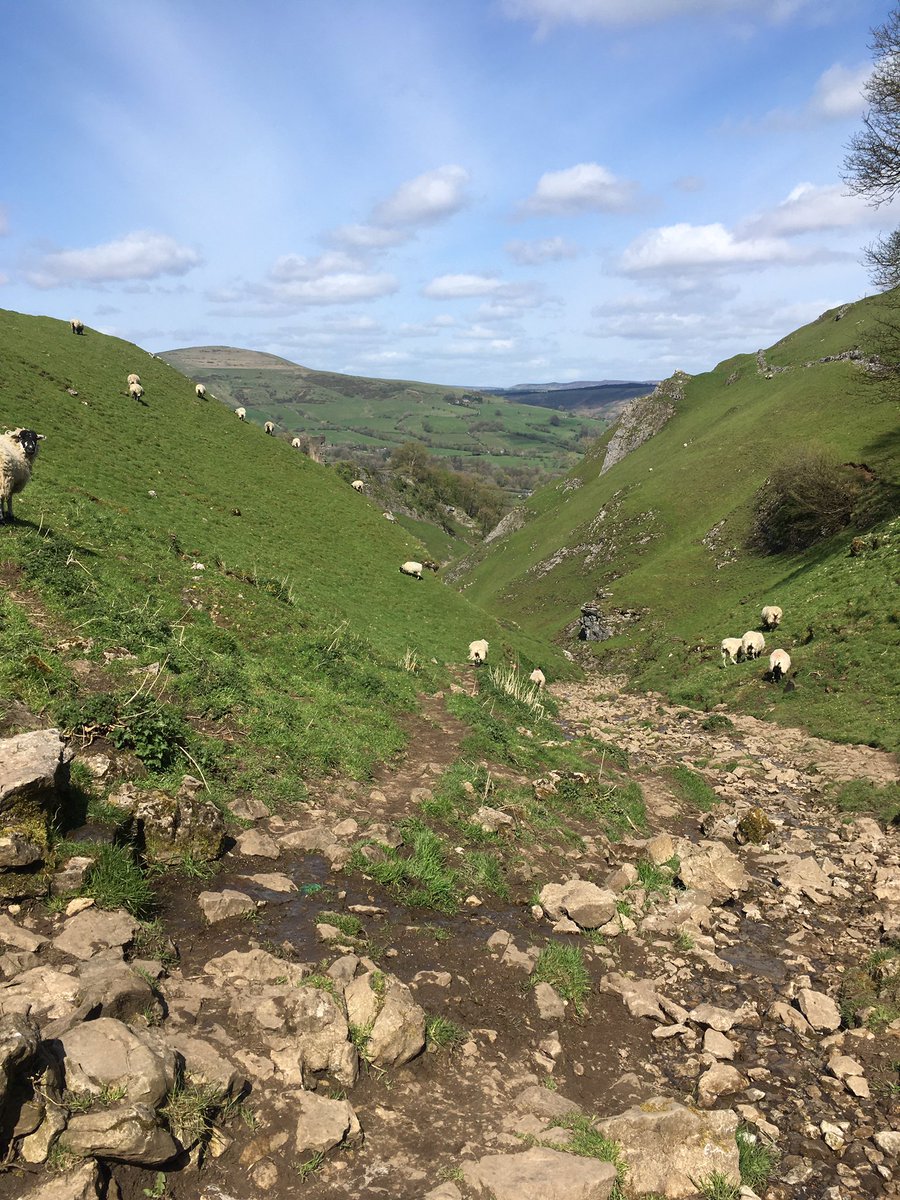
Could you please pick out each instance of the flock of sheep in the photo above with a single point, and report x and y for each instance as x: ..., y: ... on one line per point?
x: 752, y: 644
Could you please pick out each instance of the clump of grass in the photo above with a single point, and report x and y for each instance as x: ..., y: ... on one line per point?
x: 757, y: 1160
x: 693, y: 788
x: 323, y: 982
x: 308, y: 1166
x: 116, y: 881
x: 716, y: 722
x: 508, y: 680
x: 564, y: 969
x: 654, y: 878
x: 864, y: 796
x: 588, y: 1142
x: 422, y: 877
x: 349, y: 925
x: 443, y: 1034
x: 717, y: 1186
x: 870, y: 993
x: 190, y: 1110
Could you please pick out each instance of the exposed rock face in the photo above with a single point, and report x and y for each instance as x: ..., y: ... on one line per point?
x: 173, y: 826
x: 106, y: 1053
x: 584, y: 903
x: 126, y: 1133
x: 668, y: 1146
x: 540, y: 1174
x: 644, y: 417
x: 33, y: 769
x: 591, y: 627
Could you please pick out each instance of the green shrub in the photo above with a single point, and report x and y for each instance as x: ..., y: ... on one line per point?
x: 807, y: 498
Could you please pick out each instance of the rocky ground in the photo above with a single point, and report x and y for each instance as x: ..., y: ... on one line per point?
x: 739, y: 973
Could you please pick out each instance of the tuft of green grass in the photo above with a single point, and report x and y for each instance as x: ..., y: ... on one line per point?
x: 654, y: 879
x: 349, y: 925
x: 757, y: 1160
x: 863, y: 796
x: 563, y: 967
x: 717, y: 1186
x: 190, y: 1110
x: 588, y: 1142
x: 115, y: 880
x: 422, y: 877
x: 873, y: 989
x: 443, y: 1034
x: 716, y: 723
x: 693, y: 788
x: 309, y: 1166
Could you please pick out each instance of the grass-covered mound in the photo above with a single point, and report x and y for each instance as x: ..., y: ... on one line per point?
x: 259, y: 591
x: 660, y: 540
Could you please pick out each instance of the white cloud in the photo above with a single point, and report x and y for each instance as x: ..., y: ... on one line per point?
x: 140, y: 255
x: 686, y: 247
x: 544, y: 250
x: 457, y: 287
x: 291, y: 267
x: 808, y: 209
x: 838, y: 92
x: 586, y: 187
x: 550, y: 13
x: 365, y: 237
x: 341, y: 288
x: 424, y: 200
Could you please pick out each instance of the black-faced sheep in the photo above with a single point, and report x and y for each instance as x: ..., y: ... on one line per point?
x: 77, y: 326
x: 412, y: 568
x: 771, y: 616
x: 201, y: 391
x: 478, y: 652
x: 241, y: 414
x: 18, y: 450
x: 296, y: 444
x: 731, y: 648
x: 135, y: 390
x: 779, y: 665
x: 132, y: 378
x: 358, y: 485
x: 752, y: 644
x: 269, y: 427
x: 538, y: 678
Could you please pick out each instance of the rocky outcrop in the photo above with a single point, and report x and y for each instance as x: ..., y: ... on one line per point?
x: 172, y: 827
x: 34, y: 769
x: 644, y: 417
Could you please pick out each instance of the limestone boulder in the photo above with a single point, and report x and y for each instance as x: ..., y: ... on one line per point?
x: 93, y: 929
x: 114, y: 989
x: 105, y: 1053
x: 668, y: 1146
x: 588, y: 905
x: 820, y: 1010
x: 46, y: 992
x: 540, y: 1174
x: 714, y: 869
x: 318, y: 1035
x: 323, y: 1123
x: 34, y: 771
x: 126, y: 1133
x: 222, y: 906
x: 385, y: 1006
x: 82, y: 1183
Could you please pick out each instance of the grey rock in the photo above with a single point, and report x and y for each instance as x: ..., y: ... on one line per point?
x: 81, y: 1183
x: 12, y: 934
x: 543, y: 1103
x: 540, y: 1174
x: 106, y: 1053
x: 323, y: 1123
x: 222, y: 906
x: 126, y: 1133
x: 714, y: 869
x: 820, y: 1010
x: 93, y: 930
x: 396, y: 1021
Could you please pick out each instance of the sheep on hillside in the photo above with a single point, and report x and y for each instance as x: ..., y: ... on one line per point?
x: 358, y: 485
x: 77, y: 326
x: 132, y: 378
x: 538, y: 678
x: 752, y: 644
x: 269, y: 427
x: 731, y: 649
x: 241, y: 414
x: 412, y: 568
x: 389, y: 516
x: 296, y: 444
x: 478, y: 652
x: 779, y: 665
x: 135, y: 390
x: 18, y: 450
x: 200, y: 390
x: 771, y: 616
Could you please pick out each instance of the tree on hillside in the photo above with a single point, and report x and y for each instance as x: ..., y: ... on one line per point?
x: 872, y: 165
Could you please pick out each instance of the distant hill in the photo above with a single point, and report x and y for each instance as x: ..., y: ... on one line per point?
x: 658, y: 538
x: 517, y: 440
x: 604, y: 399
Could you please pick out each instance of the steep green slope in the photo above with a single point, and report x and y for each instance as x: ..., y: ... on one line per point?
x: 167, y: 530
x: 356, y: 415
x: 661, y: 536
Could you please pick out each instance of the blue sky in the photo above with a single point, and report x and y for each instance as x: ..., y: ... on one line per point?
x: 475, y: 192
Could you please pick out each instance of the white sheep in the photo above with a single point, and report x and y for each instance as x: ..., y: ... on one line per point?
x: 77, y: 326
x: 779, y: 664
x: 389, y: 516
x: 538, y: 678
x: 269, y: 427
x: 478, y: 652
x: 200, y: 390
x: 18, y: 450
x: 771, y: 616
x: 132, y: 378
x: 135, y: 390
x: 731, y: 648
x: 241, y: 414
x: 752, y: 644
x: 358, y: 485
x: 296, y: 444
x: 412, y: 568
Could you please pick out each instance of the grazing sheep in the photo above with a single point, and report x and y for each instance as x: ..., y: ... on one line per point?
x: 132, y: 378
x: 200, y: 390
x: 779, y: 664
x: 478, y: 652
x: 771, y: 616
x: 296, y: 444
x: 135, y: 390
x: 241, y: 414
x: 269, y: 427
x: 731, y: 649
x: 18, y: 450
x: 389, y: 516
x: 752, y: 644
x: 412, y: 568
x: 538, y: 678
x: 431, y: 566
x: 77, y: 326
x: 358, y: 485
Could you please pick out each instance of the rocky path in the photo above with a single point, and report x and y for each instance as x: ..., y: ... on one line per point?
x: 740, y: 969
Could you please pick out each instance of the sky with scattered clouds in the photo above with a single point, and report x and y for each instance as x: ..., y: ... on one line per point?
x: 478, y: 192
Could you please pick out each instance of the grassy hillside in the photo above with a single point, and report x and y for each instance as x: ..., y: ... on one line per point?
x: 659, y: 542
x: 360, y: 417
x: 220, y: 596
